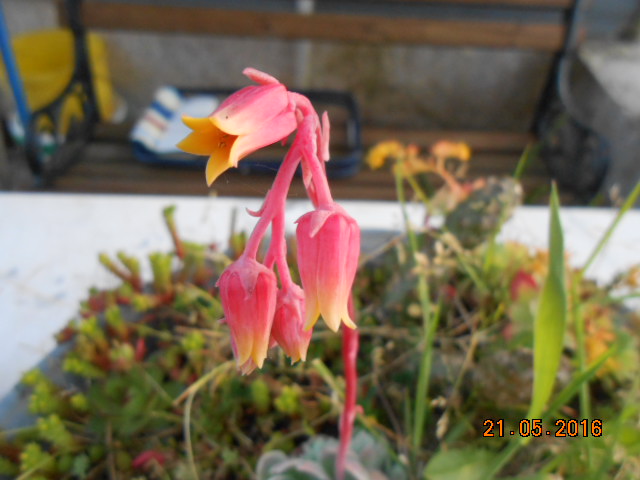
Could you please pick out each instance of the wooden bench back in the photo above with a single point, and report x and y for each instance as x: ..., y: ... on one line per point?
x: 358, y: 25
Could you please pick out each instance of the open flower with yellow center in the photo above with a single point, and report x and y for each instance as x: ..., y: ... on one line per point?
x: 252, y: 118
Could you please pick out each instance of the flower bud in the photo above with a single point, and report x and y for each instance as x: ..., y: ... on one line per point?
x: 328, y: 251
x: 248, y: 291
x: 288, y: 323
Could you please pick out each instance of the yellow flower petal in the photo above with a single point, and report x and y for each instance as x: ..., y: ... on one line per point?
x: 198, y: 123
x: 199, y: 143
x: 216, y: 167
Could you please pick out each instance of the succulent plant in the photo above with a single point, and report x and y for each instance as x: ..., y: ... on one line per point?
x: 484, y: 211
x: 368, y: 459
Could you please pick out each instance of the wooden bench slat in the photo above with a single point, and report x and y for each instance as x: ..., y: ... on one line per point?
x: 485, y: 141
x: 565, y: 4
x: 323, y: 26
x: 113, y: 168
x: 477, y: 140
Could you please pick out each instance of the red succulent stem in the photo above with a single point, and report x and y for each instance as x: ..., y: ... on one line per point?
x: 305, y: 149
x: 350, y: 346
x: 274, y: 204
x: 278, y: 250
x: 310, y: 155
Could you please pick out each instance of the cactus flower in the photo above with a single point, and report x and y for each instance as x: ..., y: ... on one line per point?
x: 328, y: 250
x: 252, y: 118
x: 289, y: 321
x: 248, y: 291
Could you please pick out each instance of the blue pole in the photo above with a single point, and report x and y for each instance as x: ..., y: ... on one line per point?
x: 14, y: 75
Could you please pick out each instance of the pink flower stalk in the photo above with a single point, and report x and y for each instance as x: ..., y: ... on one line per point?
x: 289, y: 322
x: 258, y: 314
x: 328, y: 251
x: 350, y: 347
x: 248, y: 291
x: 250, y: 119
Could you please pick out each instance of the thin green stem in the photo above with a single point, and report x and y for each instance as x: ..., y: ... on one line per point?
x: 411, y: 235
x: 561, y: 399
x: 27, y: 474
x: 628, y: 204
x: 418, y: 190
x: 578, y: 317
x: 568, y: 392
x: 198, y: 384
x: 614, y: 432
x: 190, y: 394
x: 504, y: 458
x: 328, y: 377
x: 424, y: 375
x: 187, y: 436
x: 523, y: 161
x: 581, y: 353
x: 428, y: 324
x: 622, y: 298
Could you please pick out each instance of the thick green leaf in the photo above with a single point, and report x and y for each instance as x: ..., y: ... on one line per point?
x: 551, y: 317
x: 463, y: 464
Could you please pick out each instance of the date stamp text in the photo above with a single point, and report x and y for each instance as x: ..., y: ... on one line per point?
x: 534, y: 428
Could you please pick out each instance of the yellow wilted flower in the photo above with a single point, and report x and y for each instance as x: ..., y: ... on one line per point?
x: 447, y: 149
x: 379, y: 154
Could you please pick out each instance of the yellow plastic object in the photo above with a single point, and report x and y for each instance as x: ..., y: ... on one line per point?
x: 46, y: 60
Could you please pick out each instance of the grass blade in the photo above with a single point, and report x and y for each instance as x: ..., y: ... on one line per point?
x: 523, y: 161
x: 628, y: 204
x: 551, y: 317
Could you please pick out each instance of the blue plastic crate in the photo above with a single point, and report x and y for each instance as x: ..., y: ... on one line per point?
x: 155, y: 134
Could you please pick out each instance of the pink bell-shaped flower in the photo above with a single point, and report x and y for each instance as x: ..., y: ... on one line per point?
x: 328, y: 251
x: 289, y: 322
x: 248, y: 292
x: 252, y: 118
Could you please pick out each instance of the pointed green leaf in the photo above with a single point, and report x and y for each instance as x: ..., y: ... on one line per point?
x: 551, y: 317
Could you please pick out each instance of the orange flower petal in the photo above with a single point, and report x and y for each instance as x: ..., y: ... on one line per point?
x: 199, y: 143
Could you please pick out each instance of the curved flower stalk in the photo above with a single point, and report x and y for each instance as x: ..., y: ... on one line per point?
x: 259, y: 313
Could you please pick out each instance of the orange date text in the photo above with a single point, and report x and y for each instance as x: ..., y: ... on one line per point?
x: 533, y: 427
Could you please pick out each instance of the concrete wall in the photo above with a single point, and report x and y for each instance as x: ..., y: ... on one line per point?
x: 431, y: 87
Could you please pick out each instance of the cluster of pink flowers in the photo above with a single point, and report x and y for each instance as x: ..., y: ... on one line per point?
x: 261, y: 308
